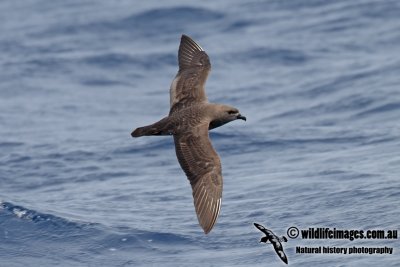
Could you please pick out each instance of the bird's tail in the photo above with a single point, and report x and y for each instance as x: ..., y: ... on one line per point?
x: 162, y: 127
x: 145, y: 130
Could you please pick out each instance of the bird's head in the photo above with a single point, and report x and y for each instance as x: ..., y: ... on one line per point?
x: 264, y: 239
x: 222, y: 114
x: 229, y: 113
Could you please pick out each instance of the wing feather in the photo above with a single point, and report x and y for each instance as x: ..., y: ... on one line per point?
x: 202, y: 167
x: 261, y: 228
x: 279, y: 251
x: 188, y: 86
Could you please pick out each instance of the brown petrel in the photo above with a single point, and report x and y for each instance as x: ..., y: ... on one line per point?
x: 275, y: 241
x: 190, y: 118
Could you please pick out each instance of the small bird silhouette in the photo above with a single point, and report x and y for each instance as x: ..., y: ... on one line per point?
x: 275, y: 241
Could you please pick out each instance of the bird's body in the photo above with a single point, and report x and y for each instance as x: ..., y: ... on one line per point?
x: 189, y: 119
x: 184, y: 119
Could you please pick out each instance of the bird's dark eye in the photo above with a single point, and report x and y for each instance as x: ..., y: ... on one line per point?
x: 231, y: 112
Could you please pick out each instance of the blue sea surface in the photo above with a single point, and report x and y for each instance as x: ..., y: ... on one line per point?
x: 319, y: 83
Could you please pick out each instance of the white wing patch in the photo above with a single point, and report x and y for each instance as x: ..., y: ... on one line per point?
x: 172, y: 92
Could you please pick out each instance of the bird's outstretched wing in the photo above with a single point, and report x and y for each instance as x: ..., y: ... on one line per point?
x: 202, y: 166
x: 261, y: 228
x: 188, y: 86
x: 279, y: 250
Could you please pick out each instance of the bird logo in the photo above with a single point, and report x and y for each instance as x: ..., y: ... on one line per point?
x: 274, y: 240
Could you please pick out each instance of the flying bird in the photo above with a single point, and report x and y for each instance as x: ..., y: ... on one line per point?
x: 190, y: 118
x: 275, y: 241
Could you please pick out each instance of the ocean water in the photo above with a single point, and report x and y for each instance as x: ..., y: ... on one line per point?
x: 319, y: 83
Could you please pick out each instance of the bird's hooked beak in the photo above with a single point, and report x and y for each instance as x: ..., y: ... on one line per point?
x: 241, y: 117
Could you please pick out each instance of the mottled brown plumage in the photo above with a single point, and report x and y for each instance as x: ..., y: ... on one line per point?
x: 189, y: 119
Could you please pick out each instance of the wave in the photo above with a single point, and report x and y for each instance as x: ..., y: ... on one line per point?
x: 10, y: 144
x: 119, y: 60
x: 389, y: 107
x: 14, y: 216
x: 30, y: 235
x: 282, y: 56
x: 152, y: 22
x: 13, y: 212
